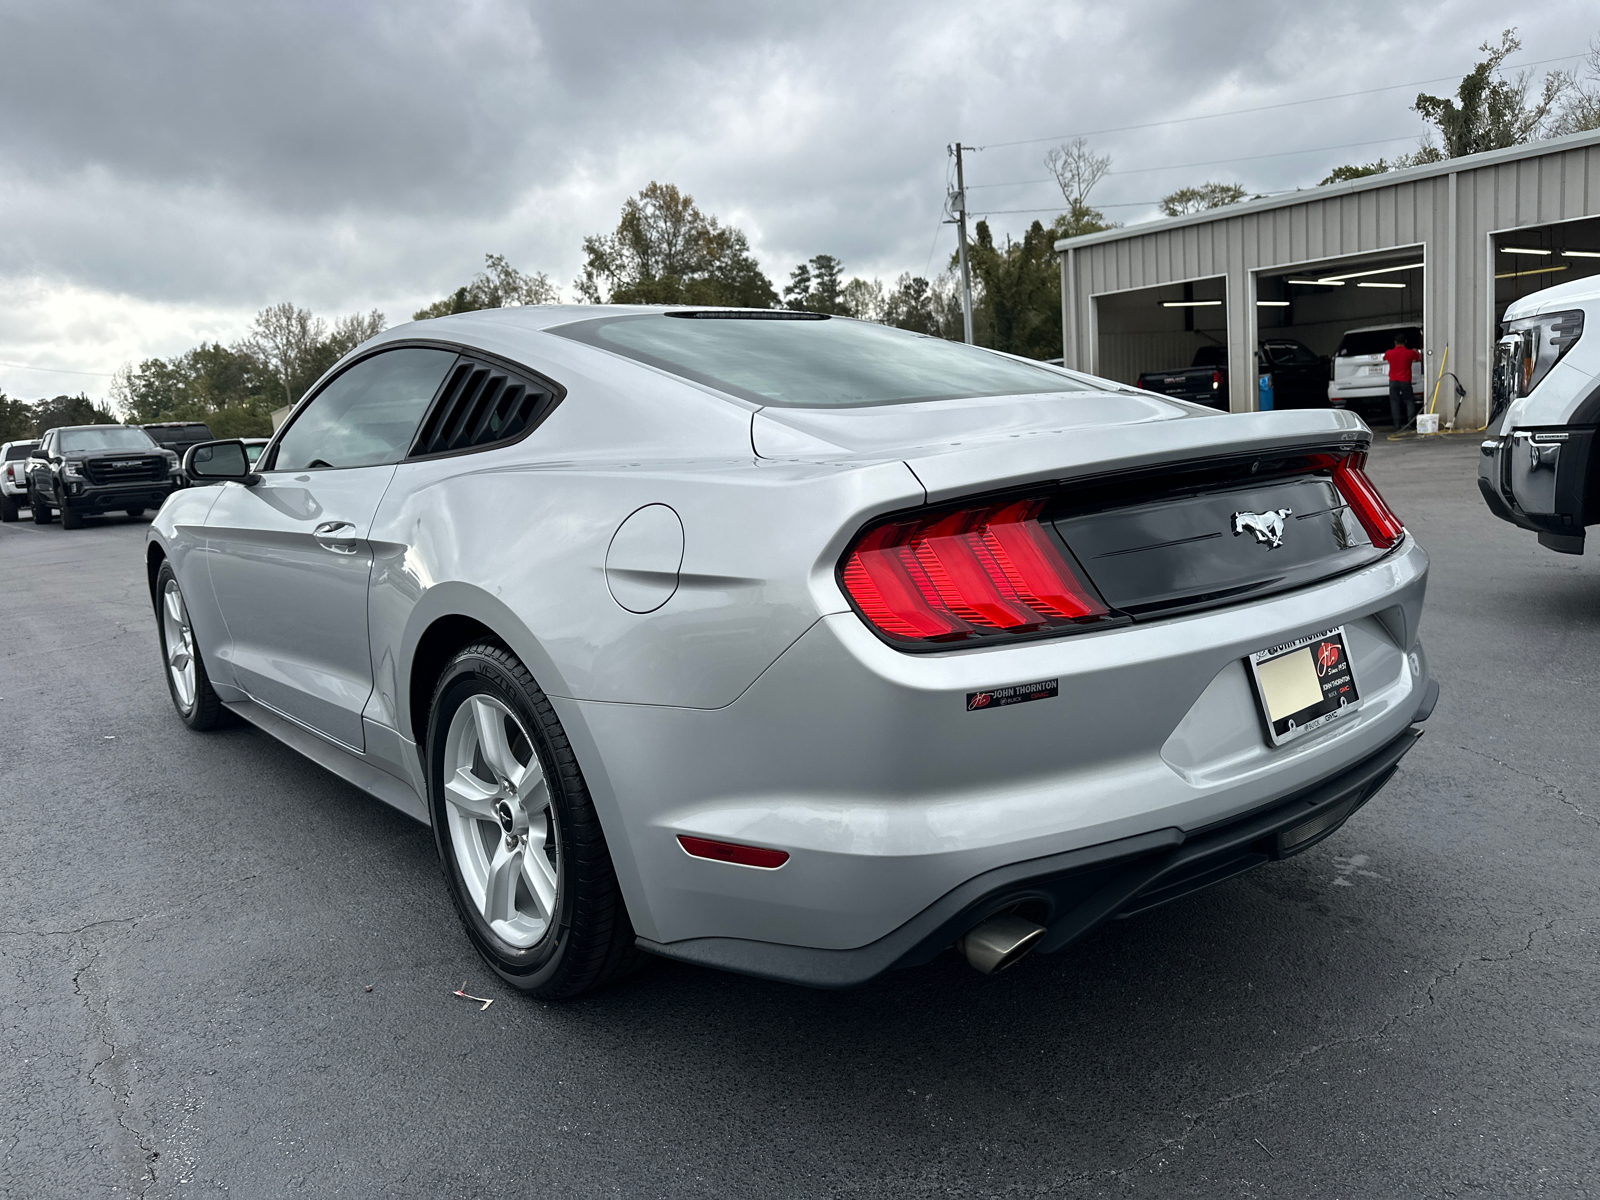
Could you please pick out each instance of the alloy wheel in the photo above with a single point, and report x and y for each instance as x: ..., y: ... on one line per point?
x: 179, y: 639
x: 503, y: 826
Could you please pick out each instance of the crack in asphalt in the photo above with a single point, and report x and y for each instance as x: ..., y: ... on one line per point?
x: 1561, y: 795
x: 70, y: 932
x: 120, y: 1100
x: 1193, y: 1121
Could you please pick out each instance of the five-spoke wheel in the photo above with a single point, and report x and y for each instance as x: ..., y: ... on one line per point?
x: 518, y: 836
x: 503, y: 828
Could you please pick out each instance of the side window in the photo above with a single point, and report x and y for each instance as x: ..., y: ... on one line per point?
x: 367, y: 416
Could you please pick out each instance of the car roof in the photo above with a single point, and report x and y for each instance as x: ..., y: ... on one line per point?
x: 1381, y: 328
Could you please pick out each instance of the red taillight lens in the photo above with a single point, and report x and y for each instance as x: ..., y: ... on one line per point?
x: 1216, y: 380
x: 1376, y: 517
x: 967, y: 574
x: 745, y: 856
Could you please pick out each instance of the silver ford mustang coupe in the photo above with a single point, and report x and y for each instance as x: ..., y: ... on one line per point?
x: 794, y: 645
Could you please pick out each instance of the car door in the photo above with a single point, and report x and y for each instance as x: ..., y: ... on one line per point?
x: 288, y: 556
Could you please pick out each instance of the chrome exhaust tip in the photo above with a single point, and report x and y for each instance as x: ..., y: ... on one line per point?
x: 999, y: 942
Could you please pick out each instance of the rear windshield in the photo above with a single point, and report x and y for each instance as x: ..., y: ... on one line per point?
x: 1377, y: 341
x: 20, y: 450
x: 803, y: 361
x: 105, y: 437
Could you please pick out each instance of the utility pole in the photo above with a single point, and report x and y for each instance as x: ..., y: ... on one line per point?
x: 959, y: 199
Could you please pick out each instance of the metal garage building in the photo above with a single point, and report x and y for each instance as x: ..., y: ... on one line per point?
x: 1462, y: 239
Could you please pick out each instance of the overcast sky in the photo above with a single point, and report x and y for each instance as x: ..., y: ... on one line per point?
x: 166, y: 170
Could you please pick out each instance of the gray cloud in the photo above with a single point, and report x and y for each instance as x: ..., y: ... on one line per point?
x: 169, y: 168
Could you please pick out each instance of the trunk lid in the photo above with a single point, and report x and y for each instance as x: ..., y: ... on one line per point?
x: 1163, y: 508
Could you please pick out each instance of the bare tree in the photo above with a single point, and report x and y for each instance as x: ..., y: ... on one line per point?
x: 285, y: 337
x: 1580, y: 102
x: 1077, y: 170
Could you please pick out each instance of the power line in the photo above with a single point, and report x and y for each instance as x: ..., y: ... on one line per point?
x: 58, y: 370
x: 1066, y: 137
x: 1211, y: 162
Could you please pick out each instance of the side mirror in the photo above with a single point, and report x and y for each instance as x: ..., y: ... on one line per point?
x: 206, y: 462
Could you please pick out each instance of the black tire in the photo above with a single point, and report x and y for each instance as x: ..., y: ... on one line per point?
x: 205, y: 712
x: 71, y: 518
x: 590, y: 941
x: 9, y: 508
x: 41, y: 510
x: 135, y: 512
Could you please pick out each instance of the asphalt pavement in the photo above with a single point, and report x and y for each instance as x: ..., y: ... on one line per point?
x: 190, y: 926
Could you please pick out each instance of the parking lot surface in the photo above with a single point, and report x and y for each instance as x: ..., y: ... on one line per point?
x: 191, y: 924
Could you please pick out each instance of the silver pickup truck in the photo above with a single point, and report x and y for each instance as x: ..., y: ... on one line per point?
x: 1539, y: 470
x: 14, y: 477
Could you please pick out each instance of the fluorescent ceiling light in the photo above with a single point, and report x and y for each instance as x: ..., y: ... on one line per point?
x: 1318, y: 282
x: 1580, y: 254
x: 1377, y: 271
x: 1189, y: 303
x: 1521, y: 250
x: 1272, y: 304
x: 1529, y: 271
x: 1379, y: 283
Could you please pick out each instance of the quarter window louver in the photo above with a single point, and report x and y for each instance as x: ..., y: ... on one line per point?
x: 481, y: 405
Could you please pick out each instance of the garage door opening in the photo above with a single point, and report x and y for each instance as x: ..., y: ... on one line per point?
x: 1536, y: 257
x: 1343, y: 316
x: 1176, y: 332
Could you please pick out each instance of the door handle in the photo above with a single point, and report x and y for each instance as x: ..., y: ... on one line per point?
x: 337, y: 536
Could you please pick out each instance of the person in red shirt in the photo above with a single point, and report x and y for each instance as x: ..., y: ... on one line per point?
x: 1402, y: 403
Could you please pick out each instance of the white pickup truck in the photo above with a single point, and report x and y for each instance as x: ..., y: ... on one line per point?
x: 14, y: 477
x: 1539, y: 470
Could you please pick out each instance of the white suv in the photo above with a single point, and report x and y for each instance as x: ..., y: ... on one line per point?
x: 14, y: 477
x: 1360, y: 374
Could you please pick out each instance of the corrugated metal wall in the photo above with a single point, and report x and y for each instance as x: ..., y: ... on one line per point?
x: 1539, y: 184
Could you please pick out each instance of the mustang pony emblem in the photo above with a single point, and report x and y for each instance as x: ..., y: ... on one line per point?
x: 1266, y: 526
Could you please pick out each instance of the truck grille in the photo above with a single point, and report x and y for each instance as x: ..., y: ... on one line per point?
x: 135, y: 469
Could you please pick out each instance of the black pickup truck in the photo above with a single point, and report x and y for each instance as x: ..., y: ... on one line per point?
x: 1299, y: 376
x: 81, y: 469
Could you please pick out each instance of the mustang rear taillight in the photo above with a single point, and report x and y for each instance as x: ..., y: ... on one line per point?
x: 1376, y: 517
x: 970, y: 574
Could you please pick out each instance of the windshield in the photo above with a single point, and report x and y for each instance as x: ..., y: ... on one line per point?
x: 105, y: 437
x: 1378, y: 341
x: 798, y: 360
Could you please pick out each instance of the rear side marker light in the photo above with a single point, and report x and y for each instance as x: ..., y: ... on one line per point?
x: 732, y: 852
x: 965, y: 574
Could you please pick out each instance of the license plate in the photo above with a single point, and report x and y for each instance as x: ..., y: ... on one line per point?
x: 1304, y: 684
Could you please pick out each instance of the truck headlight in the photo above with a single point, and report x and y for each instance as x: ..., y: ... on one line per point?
x: 1530, y: 347
x: 172, y: 462
x: 73, y: 470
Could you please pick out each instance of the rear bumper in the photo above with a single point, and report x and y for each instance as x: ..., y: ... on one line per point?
x: 866, y: 766
x: 1072, y: 893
